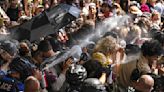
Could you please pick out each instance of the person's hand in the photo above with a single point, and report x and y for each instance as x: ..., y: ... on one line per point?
x: 121, y: 50
x: 66, y: 65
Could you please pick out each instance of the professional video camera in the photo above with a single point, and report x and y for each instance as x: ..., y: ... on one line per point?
x: 159, y: 83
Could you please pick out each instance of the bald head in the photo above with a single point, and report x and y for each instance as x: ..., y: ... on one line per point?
x: 145, y: 83
x: 147, y: 80
x: 31, y: 84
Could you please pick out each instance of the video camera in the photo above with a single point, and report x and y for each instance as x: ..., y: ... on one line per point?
x: 158, y: 83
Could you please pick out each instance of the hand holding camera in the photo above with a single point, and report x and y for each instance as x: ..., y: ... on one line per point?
x: 66, y: 65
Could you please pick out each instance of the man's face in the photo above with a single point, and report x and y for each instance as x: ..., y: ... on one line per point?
x: 141, y: 87
x: 24, y: 48
x: 5, y: 55
x: 14, y: 3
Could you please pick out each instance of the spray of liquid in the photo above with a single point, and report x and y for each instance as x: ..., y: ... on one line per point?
x: 106, y: 26
x: 74, y: 51
x: 3, y: 37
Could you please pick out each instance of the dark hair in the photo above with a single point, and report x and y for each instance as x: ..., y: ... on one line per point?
x: 21, y: 66
x: 151, y: 48
x: 124, y: 5
x: 93, y: 68
x: 56, y: 45
x: 106, y: 5
x: 69, y: 2
x: 44, y: 46
x: 81, y: 3
x: 160, y: 37
x: 27, y: 42
x: 153, y: 32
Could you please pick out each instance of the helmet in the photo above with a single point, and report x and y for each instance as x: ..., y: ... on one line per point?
x: 93, y: 85
x: 21, y: 66
x: 76, y: 74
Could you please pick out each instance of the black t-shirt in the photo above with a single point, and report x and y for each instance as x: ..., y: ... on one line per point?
x: 13, y: 14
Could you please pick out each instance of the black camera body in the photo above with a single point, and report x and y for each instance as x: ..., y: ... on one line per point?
x: 159, y: 83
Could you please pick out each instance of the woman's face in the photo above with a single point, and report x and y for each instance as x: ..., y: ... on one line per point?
x: 38, y: 74
x: 92, y: 10
x: 156, y: 19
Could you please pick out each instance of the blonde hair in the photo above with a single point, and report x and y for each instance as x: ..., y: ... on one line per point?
x: 106, y: 45
x: 123, y: 32
x: 135, y: 31
x: 105, y: 61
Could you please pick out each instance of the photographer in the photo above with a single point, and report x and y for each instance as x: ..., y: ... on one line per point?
x: 58, y: 71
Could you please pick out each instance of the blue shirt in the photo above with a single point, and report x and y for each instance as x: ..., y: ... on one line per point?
x: 8, y: 84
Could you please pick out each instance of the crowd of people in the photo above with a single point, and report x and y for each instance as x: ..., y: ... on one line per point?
x: 126, y: 58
